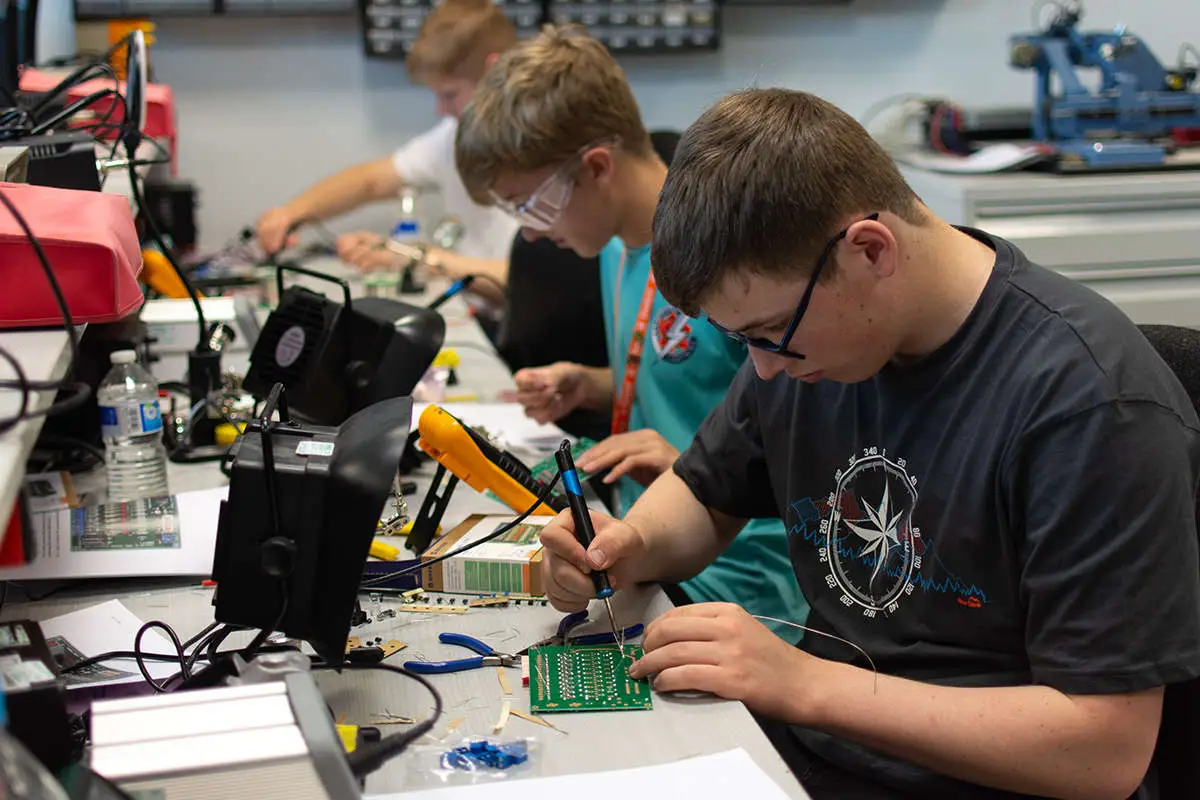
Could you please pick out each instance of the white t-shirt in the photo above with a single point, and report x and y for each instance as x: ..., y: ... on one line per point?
x: 429, y: 159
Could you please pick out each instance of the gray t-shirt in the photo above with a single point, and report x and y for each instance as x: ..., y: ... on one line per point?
x: 1016, y: 508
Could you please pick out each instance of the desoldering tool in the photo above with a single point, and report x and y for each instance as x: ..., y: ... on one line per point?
x: 584, y: 531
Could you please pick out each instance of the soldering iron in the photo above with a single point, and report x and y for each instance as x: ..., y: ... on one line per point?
x: 584, y: 531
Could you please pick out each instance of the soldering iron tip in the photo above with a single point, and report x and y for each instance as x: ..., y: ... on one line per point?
x: 618, y: 636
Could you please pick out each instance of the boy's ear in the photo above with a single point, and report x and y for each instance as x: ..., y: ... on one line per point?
x: 599, y: 164
x: 492, y: 58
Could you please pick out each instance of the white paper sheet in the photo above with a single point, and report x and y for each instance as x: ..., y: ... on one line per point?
x: 101, y: 629
x: 719, y: 776
x: 48, y: 491
x: 992, y: 158
x: 189, y: 550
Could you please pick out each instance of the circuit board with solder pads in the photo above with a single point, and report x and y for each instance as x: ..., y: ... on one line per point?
x: 574, y: 678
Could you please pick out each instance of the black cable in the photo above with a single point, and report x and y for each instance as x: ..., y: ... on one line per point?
x: 74, y: 109
x: 22, y: 384
x: 81, y: 74
x: 139, y: 657
x: 503, y: 529
x: 70, y: 441
x: 117, y: 655
x: 260, y: 638
x: 199, y: 640
x: 370, y: 757
x: 156, y: 234
x: 215, y: 641
x: 81, y: 390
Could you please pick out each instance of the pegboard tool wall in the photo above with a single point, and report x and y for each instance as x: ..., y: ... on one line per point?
x: 625, y: 26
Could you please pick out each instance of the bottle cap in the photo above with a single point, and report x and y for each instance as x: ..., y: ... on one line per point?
x: 123, y: 356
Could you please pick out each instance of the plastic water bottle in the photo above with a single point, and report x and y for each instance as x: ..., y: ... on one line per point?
x: 22, y: 776
x: 407, y: 229
x: 131, y: 424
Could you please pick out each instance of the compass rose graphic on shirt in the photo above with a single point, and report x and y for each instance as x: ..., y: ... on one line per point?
x: 871, y: 546
x: 671, y: 333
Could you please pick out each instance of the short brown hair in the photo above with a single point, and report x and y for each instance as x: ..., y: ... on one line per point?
x: 759, y: 184
x: 540, y: 104
x: 456, y: 39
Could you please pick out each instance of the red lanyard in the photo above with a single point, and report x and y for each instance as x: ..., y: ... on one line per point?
x: 623, y: 402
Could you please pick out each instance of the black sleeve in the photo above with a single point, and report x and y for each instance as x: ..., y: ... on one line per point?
x: 725, y: 466
x: 1111, y: 578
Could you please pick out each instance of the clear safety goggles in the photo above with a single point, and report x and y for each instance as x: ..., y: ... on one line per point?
x: 545, y: 205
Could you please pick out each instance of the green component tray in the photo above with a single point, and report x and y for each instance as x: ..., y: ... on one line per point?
x: 574, y: 678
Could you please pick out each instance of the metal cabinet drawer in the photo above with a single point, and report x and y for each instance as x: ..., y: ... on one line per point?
x: 1135, y: 238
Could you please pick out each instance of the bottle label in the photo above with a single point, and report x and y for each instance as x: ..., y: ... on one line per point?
x: 130, y: 419
x: 406, y: 230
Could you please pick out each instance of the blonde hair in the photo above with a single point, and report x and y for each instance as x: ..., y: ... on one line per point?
x: 457, y: 38
x: 540, y: 104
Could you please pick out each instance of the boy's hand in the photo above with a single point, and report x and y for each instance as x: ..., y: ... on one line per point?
x: 721, y: 649
x: 272, y: 229
x: 642, y: 455
x: 365, y: 250
x: 550, y: 393
x: 566, y: 567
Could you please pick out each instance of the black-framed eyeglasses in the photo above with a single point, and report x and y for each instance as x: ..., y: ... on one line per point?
x: 780, y: 347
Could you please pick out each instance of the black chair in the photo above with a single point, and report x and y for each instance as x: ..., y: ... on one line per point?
x: 553, y: 311
x: 664, y: 143
x: 1177, y: 755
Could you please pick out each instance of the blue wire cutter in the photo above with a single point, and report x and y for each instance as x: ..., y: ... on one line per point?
x: 488, y: 657
x: 571, y: 621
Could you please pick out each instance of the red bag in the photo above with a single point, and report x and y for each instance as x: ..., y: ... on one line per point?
x: 92, y: 245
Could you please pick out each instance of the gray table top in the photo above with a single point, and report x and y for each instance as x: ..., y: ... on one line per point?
x: 676, y: 728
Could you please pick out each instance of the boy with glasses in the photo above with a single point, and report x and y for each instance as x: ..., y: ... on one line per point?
x: 988, y: 474
x: 553, y: 136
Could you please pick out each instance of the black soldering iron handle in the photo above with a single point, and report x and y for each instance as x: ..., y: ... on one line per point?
x: 584, y: 531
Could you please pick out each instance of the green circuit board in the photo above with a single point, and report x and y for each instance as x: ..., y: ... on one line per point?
x: 574, y: 678
x: 547, y: 468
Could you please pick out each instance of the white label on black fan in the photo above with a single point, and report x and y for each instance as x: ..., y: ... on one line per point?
x: 311, y: 448
x: 290, y: 346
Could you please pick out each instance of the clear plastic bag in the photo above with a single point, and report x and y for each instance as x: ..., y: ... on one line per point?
x: 471, y: 759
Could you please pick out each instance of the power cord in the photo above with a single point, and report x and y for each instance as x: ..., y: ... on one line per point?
x: 168, y: 253
x: 503, y: 529
x: 19, y: 122
x: 368, y: 758
x: 363, y: 761
x: 80, y: 391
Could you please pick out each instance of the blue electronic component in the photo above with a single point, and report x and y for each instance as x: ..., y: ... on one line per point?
x: 482, y: 753
x: 1124, y: 122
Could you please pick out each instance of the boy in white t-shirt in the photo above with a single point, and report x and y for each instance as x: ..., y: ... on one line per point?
x: 457, y: 43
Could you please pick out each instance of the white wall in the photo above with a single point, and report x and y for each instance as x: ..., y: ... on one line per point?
x: 266, y: 106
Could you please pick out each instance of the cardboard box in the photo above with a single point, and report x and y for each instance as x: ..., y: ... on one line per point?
x: 511, y: 563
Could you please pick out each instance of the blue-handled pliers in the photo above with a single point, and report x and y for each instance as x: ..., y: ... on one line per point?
x: 571, y: 622
x: 488, y: 657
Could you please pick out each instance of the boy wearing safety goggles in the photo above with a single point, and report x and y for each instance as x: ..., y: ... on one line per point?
x: 456, y: 44
x: 554, y: 137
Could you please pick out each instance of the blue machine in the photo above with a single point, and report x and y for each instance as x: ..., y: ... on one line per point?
x: 1125, y: 123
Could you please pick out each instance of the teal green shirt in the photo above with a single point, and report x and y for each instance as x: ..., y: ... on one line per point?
x: 685, y: 371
